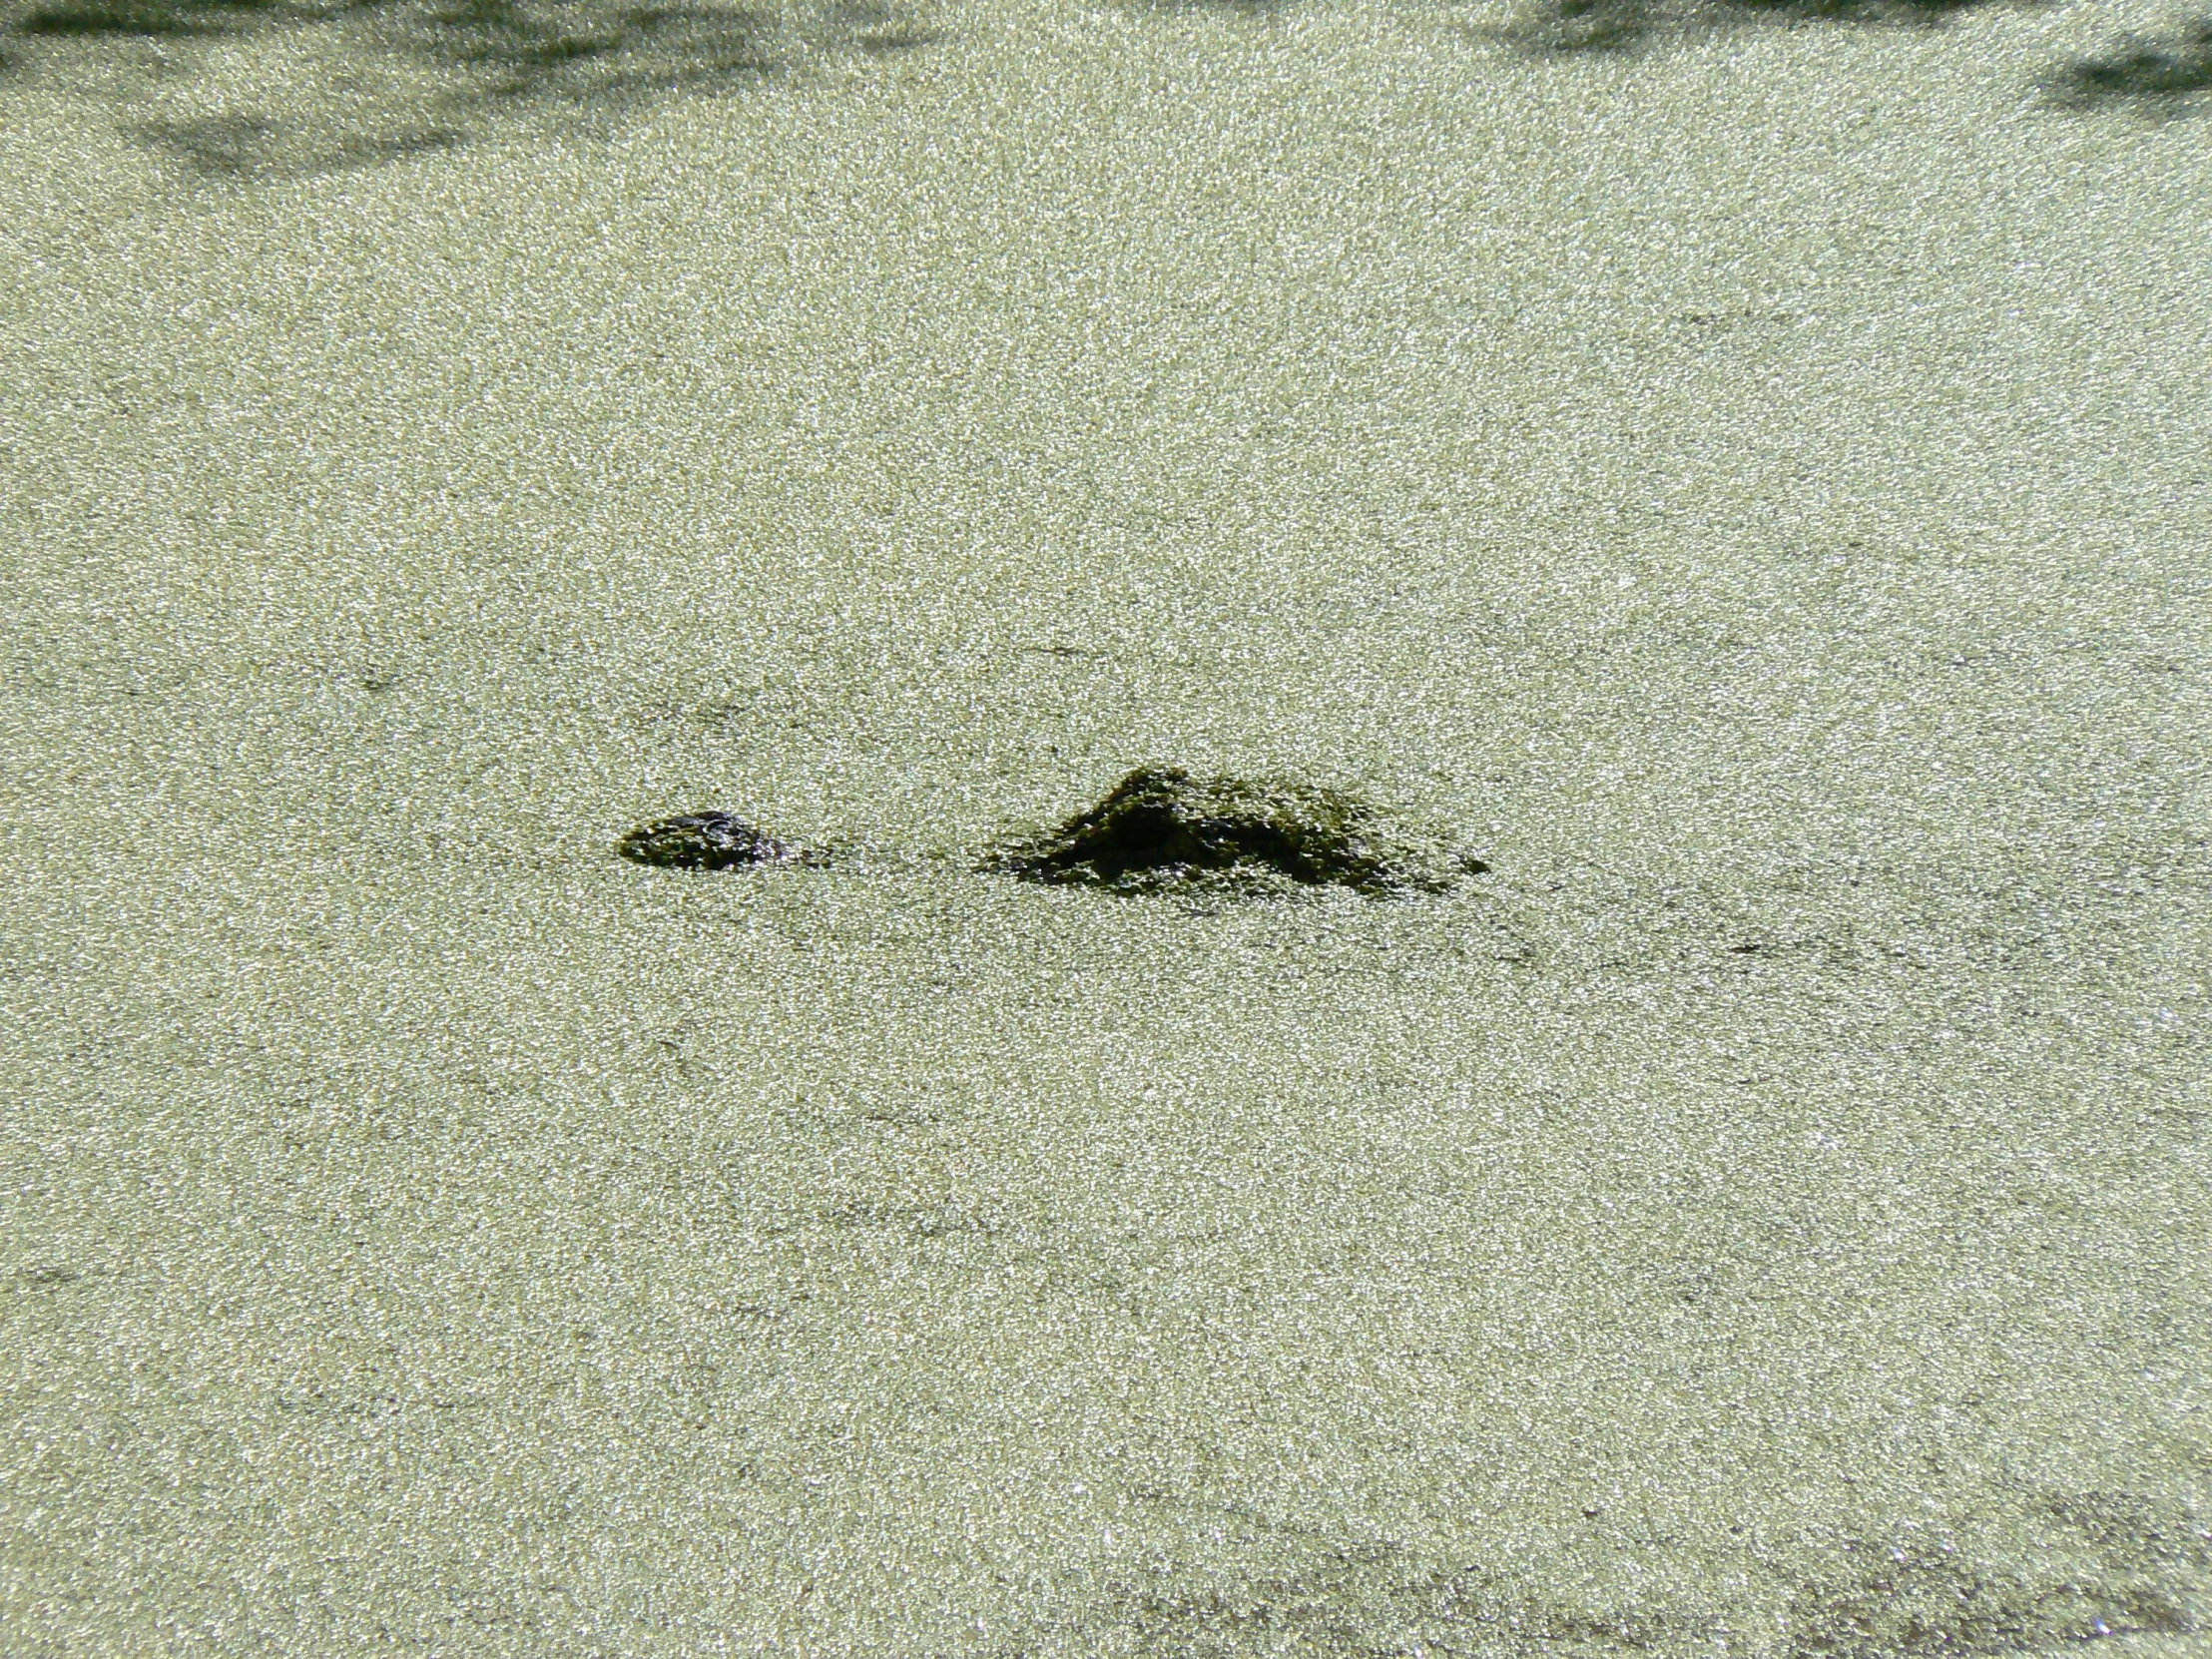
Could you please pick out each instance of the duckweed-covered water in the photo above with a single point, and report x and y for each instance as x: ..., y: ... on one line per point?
x: 1745, y: 477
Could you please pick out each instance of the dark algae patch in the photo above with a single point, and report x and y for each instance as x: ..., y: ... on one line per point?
x: 711, y: 840
x: 1162, y: 830
x: 2145, y: 70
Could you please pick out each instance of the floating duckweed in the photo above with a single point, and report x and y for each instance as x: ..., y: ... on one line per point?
x: 711, y: 840
x: 1159, y: 830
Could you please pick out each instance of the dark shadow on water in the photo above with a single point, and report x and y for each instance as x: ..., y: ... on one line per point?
x: 590, y: 51
x: 1565, y: 27
x: 875, y: 28
x: 157, y: 17
x: 249, y: 147
x: 2079, y: 1567
x: 1582, y: 26
x: 2172, y: 74
x: 885, y: 43
x: 1228, y: 8
x: 521, y: 45
x: 1888, y: 11
x: 437, y: 69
